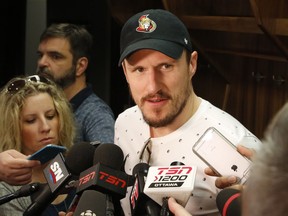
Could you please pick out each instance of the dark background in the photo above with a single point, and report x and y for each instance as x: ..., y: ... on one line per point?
x: 106, y: 77
x: 103, y: 72
x: 243, y: 55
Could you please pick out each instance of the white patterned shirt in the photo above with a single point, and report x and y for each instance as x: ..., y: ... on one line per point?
x: 131, y: 132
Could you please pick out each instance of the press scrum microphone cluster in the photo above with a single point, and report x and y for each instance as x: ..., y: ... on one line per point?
x: 59, y: 173
x: 102, y: 183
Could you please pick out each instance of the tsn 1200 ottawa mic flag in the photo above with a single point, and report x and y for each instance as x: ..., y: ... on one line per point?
x: 60, y: 174
x: 175, y: 181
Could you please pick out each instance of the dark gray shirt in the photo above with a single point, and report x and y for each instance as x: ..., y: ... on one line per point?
x: 94, y: 118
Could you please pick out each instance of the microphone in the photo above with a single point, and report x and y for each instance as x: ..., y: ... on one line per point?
x: 170, y: 181
x: 176, y: 163
x: 24, y: 191
x: 140, y: 203
x: 165, y: 211
x: 58, y: 173
x: 105, y: 176
x: 91, y: 203
x: 229, y: 202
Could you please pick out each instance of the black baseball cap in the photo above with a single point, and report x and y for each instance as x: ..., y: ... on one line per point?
x: 155, y: 29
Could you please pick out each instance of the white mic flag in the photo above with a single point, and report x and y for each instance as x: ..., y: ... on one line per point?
x: 170, y: 181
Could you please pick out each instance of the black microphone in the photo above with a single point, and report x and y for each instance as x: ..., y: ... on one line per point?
x: 91, y: 203
x: 165, y: 211
x: 105, y: 176
x: 176, y: 163
x: 58, y: 174
x: 24, y: 191
x: 140, y: 203
x: 229, y: 202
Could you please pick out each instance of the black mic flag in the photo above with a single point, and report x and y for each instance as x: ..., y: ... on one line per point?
x: 105, y: 175
x: 58, y: 173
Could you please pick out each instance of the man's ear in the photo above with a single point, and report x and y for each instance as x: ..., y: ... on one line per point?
x: 193, y: 63
x: 124, y: 70
x: 81, y: 66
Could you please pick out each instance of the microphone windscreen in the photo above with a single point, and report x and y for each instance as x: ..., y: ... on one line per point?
x: 229, y: 202
x: 176, y: 163
x: 91, y: 203
x: 140, y: 168
x: 110, y: 155
x: 80, y: 157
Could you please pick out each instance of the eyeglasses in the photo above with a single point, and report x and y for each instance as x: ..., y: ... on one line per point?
x: 18, y: 84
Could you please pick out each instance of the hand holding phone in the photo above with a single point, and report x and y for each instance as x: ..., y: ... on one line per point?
x: 221, y: 155
x: 47, y: 153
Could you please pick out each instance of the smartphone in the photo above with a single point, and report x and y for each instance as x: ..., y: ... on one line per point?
x: 221, y: 155
x: 47, y: 153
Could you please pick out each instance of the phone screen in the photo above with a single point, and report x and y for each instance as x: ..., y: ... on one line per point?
x: 47, y: 153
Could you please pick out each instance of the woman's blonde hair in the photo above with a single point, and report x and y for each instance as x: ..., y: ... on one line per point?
x: 12, y: 102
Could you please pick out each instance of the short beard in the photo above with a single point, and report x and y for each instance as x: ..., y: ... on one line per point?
x: 63, y: 82
x: 176, y: 111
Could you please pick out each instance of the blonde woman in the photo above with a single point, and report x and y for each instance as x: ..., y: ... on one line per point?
x: 34, y: 113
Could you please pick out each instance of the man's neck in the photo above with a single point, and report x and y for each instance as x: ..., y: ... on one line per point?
x: 73, y: 89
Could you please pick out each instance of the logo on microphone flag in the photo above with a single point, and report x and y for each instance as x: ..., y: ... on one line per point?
x: 56, y: 172
x: 174, y: 181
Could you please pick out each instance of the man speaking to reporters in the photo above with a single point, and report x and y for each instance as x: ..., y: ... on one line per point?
x: 159, y: 63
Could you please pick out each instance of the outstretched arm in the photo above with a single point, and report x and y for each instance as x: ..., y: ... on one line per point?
x: 15, y: 169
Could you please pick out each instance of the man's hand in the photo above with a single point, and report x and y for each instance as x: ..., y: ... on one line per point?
x: 65, y: 214
x: 245, y: 151
x: 176, y: 208
x: 226, y: 181
x: 15, y: 169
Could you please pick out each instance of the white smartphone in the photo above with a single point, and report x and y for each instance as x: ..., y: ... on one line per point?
x: 47, y: 153
x: 221, y: 155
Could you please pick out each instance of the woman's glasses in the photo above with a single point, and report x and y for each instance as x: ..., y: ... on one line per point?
x: 18, y: 84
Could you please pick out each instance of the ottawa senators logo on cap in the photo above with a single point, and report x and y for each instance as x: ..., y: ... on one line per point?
x: 146, y: 25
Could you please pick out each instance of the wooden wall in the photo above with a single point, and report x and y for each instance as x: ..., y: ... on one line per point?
x: 242, y: 45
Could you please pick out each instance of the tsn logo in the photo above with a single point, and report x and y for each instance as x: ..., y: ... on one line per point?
x: 172, y: 173
x: 55, y: 171
x: 104, y: 177
x: 134, y: 194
